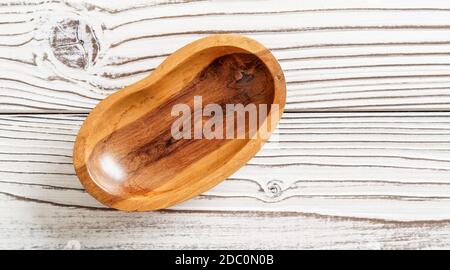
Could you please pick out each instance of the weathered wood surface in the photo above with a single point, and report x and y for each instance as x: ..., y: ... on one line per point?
x: 337, y: 55
x: 45, y: 226
x: 387, y: 166
x: 371, y: 172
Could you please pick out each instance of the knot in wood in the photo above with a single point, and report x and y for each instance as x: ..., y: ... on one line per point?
x: 74, y: 43
x: 274, y: 189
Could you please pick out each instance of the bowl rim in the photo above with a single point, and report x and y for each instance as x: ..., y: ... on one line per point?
x: 141, y: 202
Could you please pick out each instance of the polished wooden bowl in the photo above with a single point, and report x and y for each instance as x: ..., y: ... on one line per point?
x: 125, y: 153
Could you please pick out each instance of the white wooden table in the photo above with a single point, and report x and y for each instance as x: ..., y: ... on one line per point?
x: 364, y: 154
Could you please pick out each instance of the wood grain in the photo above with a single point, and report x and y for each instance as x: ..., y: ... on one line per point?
x: 56, y: 227
x: 348, y: 55
x: 342, y: 179
x: 381, y: 166
x: 127, y: 154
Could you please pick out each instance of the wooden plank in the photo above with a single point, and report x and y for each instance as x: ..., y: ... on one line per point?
x: 33, y: 225
x: 339, y: 56
x: 334, y: 180
x: 382, y: 166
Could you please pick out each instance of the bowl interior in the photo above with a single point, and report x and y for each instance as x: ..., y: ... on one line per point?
x: 143, y: 156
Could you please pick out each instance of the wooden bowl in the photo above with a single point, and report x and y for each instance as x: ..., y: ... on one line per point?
x: 126, y: 155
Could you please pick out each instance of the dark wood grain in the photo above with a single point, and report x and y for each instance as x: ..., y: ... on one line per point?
x: 145, y: 146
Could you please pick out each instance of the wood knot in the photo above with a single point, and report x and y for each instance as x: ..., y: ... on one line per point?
x: 74, y: 43
x: 274, y: 189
